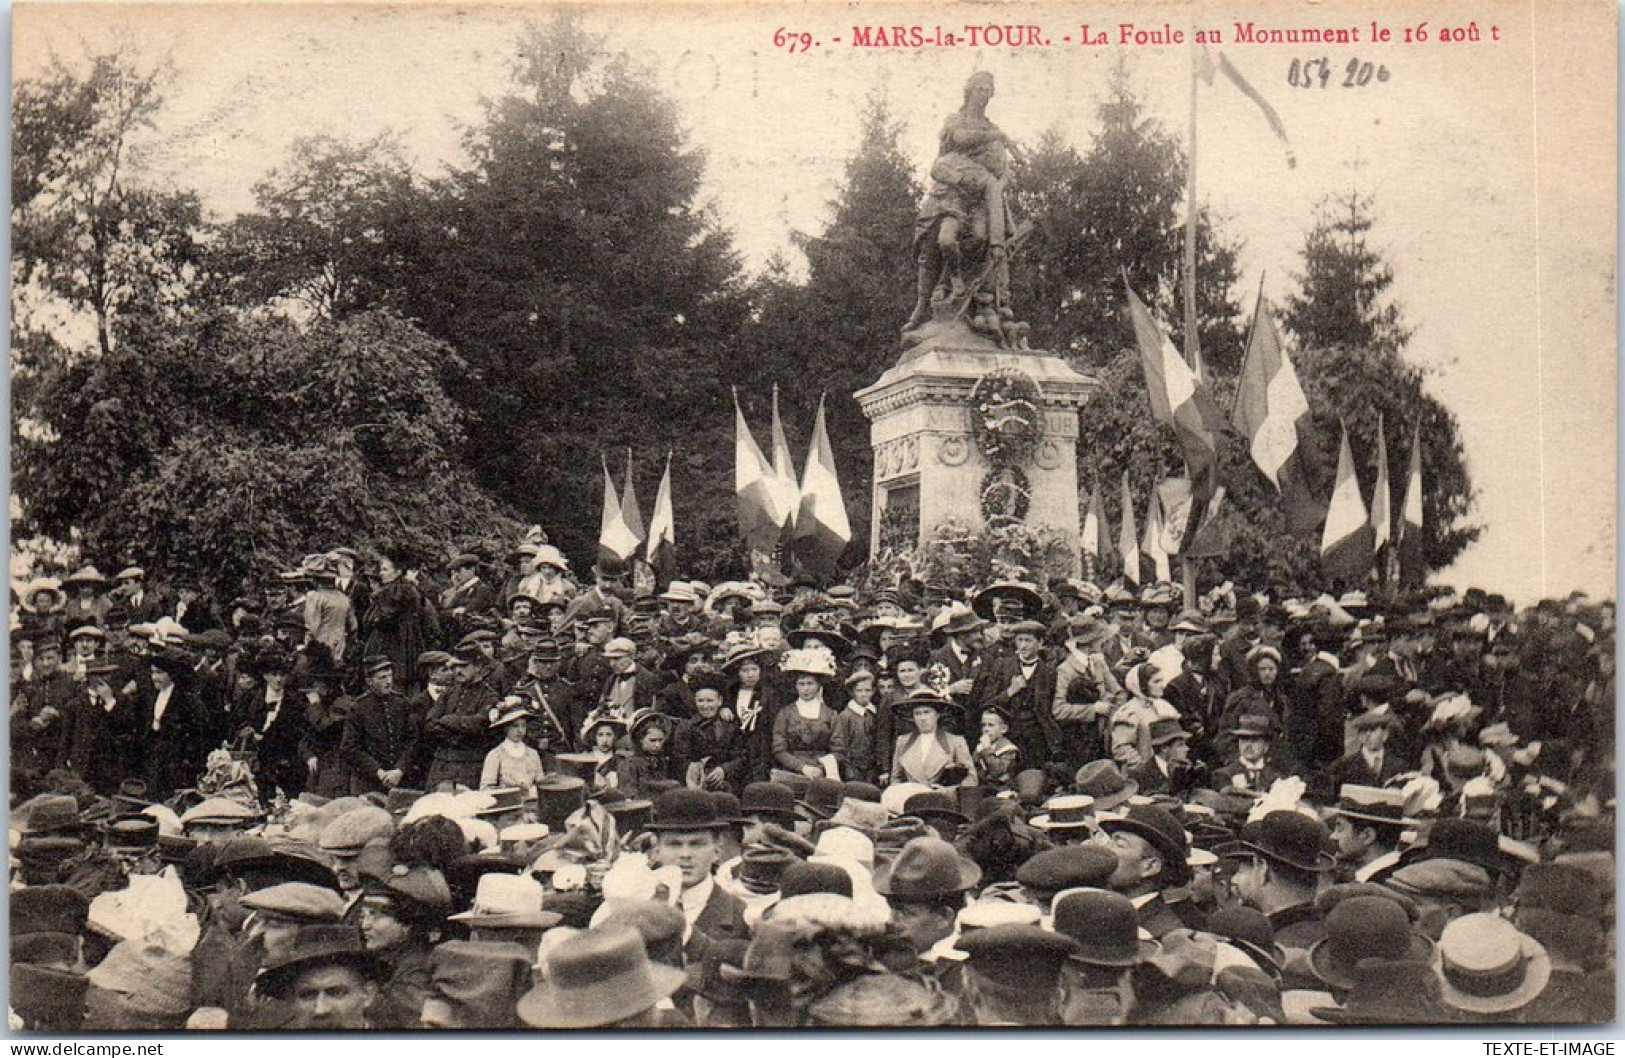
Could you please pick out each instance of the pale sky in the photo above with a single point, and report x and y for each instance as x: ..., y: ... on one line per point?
x: 1447, y: 144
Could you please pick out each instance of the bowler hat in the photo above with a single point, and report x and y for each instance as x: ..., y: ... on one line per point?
x: 1249, y: 930
x: 1018, y: 955
x: 1164, y: 833
x: 598, y: 977
x: 1105, y: 925
x: 1468, y: 840
x: 927, y: 868
x: 683, y: 809
x: 1293, y: 839
x: 1365, y: 927
x: 935, y: 804
x: 822, y: 798
x: 1387, y: 992
x: 771, y: 799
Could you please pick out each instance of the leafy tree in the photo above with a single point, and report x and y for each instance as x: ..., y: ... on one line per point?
x: 1343, y: 290
x: 1118, y: 208
x: 229, y: 445
x: 334, y: 229
x: 86, y: 234
x: 592, y: 294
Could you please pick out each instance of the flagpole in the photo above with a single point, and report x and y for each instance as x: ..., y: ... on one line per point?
x: 1193, y: 353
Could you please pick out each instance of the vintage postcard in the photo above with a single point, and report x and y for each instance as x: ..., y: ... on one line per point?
x: 838, y: 515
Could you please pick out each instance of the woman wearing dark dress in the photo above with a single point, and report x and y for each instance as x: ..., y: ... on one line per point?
x: 804, y: 729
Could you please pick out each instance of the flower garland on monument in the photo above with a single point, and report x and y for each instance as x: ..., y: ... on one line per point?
x: 1007, y: 423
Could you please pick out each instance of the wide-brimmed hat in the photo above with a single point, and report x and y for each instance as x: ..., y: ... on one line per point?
x: 511, y: 709
x: 880, y: 1000
x: 1004, y: 597
x: 87, y: 576
x: 1066, y: 812
x: 597, y: 977
x: 1378, y: 716
x: 739, y: 653
x: 508, y: 901
x: 927, y: 698
x: 957, y: 620
x: 1162, y: 830
x: 1488, y: 967
x: 1105, y: 782
x: 808, y: 663
x: 927, y: 868
x: 1365, y: 927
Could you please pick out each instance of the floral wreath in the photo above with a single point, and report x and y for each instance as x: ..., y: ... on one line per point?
x: 1006, y: 496
x: 1005, y: 416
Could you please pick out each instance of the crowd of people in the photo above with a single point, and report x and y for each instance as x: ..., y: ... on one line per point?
x: 361, y: 797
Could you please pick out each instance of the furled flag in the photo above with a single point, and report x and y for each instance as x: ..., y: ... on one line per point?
x: 631, y: 513
x: 1179, y: 400
x: 1273, y: 414
x: 1174, y: 499
x: 1205, y: 70
x: 1411, y: 569
x: 616, y: 542
x: 1096, y: 540
x: 1128, y: 538
x: 784, y: 471
x: 1345, y: 545
x: 755, y: 490
x: 1152, y: 543
x: 1381, y: 503
x: 662, y: 530
x: 821, y: 528
x: 1212, y: 538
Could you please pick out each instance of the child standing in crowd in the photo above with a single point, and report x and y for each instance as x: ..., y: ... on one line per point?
x: 853, y: 742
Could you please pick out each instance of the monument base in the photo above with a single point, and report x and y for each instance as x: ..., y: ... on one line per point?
x: 930, y: 463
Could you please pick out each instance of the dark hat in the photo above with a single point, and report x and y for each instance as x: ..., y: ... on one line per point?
x: 801, y: 878
x: 1162, y: 830
x: 597, y: 977
x: 1105, y: 925
x: 44, y: 921
x: 1365, y: 927
x: 417, y: 894
x: 546, y: 649
x: 927, y: 868
x: 133, y: 833
x: 377, y: 663
x: 860, y: 791
x: 822, y: 798
x: 1103, y: 781
x: 1387, y: 992
x: 934, y: 804
x: 48, y: 814
x: 463, y: 560
x: 882, y: 1000
x: 434, y: 659
x: 557, y: 796
x: 1560, y: 887
x: 325, y: 944
x: 1168, y: 730
x: 1006, y: 597
x: 1019, y: 956
x: 1467, y: 840
x: 1293, y: 839
x: 771, y: 799
x: 683, y: 809
x: 1249, y: 930
x: 1378, y: 716
x: 1253, y: 725
x: 1068, y: 867
x: 927, y: 698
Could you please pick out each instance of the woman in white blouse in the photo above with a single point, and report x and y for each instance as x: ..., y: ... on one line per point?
x: 931, y: 755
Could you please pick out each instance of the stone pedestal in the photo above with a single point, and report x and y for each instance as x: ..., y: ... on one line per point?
x: 927, y: 458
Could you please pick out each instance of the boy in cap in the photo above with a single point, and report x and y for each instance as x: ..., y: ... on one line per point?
x: 853, y: 740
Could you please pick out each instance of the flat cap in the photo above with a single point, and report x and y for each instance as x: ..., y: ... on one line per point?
x: 1068, y: 867
x: 350, y: 832
x: 297, y: 902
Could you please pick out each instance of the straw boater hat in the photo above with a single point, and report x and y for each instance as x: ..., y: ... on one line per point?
x: 1488, y: 967
x: 1067, y: 812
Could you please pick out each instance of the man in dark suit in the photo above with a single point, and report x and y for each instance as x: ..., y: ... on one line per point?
x: 270, y: 714
x: 688, y: 834
x: 559, y: 712
x: 1254, y: 767
x: 628, y: 686
x: 1373, y: 763
x: 960, y: 654
x: 171, y: 727
x: 1022, y: 684
x: 1152, y: 853
x: 1315, y: 701
x: 378, y: 738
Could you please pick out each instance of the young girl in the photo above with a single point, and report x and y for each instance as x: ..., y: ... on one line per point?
x: 513, y: 762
